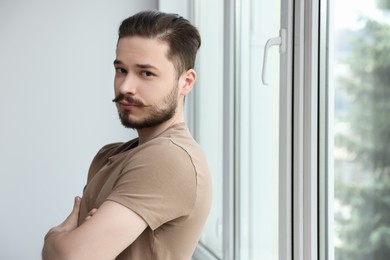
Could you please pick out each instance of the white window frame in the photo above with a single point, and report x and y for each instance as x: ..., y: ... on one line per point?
x: 299, y: 135
x: 305, y: 144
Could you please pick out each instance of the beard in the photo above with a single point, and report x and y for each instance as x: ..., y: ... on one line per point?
x: 154, y: 114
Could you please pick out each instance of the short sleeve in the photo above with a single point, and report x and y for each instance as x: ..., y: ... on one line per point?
x: 158, y: 183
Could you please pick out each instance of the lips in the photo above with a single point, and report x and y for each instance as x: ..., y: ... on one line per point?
x: 127, y: 105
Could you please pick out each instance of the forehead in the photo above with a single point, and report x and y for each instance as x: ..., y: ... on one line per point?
x: 142, y: 50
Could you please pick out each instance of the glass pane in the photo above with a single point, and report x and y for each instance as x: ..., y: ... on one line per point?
x: 209, y: 111
x: 259, y: 131
x: 360, y: 164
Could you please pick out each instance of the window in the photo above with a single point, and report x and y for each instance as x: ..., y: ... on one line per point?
x: 356, y: 130
x: 257, y: 144
x: 239, y: 122
x: 208, y: 115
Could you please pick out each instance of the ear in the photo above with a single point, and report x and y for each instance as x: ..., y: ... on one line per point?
x: 187, y: 81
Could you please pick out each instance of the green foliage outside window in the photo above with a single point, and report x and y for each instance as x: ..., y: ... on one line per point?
x: 363, y: 226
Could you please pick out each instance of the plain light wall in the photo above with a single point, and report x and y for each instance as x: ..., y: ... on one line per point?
x: 56, y: 87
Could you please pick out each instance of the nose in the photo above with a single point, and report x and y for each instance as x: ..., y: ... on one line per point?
x: 126, y: 84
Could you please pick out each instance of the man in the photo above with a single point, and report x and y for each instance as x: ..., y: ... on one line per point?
x: 148, y: 198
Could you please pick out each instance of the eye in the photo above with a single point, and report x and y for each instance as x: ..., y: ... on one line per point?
x: 147, y: 74
x: 120, y: 70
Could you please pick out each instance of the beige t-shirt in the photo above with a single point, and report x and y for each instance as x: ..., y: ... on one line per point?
x: 166, y: 181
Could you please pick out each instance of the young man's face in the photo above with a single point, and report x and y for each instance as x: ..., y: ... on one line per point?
x: 146, y: 82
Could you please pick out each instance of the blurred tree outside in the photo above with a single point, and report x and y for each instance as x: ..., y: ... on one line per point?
x: 362, y: 180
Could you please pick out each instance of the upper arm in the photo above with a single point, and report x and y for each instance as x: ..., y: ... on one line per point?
x: 159, y: 184
x: 111, y: 230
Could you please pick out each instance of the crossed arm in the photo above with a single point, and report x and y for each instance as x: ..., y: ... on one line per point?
x: 112, y: 228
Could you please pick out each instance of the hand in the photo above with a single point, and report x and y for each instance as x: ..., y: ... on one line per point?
x: 55, y: 233
x: 70, y: 223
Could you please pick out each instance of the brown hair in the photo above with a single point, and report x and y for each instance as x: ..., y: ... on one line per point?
x: 181, y: 36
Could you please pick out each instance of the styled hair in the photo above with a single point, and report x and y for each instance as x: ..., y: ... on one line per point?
x: 181, y: 36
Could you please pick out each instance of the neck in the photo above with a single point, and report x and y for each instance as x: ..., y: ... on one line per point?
x: 147, y: 134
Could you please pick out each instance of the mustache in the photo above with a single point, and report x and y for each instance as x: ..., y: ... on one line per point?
x: 129, y: 99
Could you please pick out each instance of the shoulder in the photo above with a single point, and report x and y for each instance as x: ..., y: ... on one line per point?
x: 175, y: 144
x: 163, y: 153
x: 107, y: 149
x: 177, y: 140
x: 104, y: 154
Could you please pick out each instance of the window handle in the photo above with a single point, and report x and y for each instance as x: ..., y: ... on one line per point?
x: 281, y: 41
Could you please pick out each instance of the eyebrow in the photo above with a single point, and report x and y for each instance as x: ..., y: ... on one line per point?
x: 117, y: 62
x: 141, y: 66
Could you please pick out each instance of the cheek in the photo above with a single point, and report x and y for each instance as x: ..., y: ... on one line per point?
x: 149, y: 94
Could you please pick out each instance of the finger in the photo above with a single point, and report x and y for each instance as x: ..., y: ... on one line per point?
x: 71, y: 221
x: 92, y: 212
x: 76, y: 207
x: 77, y: 202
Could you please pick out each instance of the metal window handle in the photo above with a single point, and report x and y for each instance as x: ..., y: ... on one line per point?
x: 281, y: 41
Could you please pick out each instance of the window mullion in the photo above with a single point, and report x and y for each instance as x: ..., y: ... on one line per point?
x: 305, y: 150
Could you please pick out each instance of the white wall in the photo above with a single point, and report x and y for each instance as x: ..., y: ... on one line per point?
x: 56, y: 86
